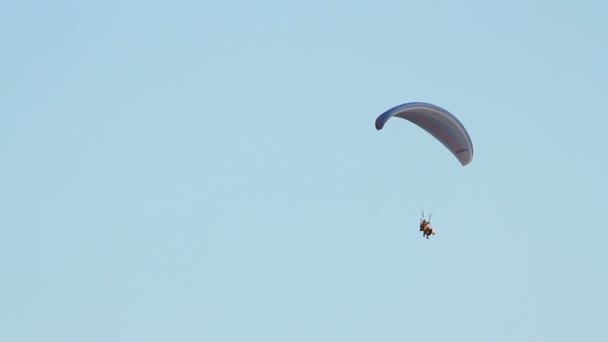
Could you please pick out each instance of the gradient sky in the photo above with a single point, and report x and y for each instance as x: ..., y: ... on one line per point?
x: 210, y: 171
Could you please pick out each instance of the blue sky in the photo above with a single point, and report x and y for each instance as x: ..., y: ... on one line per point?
x: 210, y: 171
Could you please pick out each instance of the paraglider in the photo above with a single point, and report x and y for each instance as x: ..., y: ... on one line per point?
x: 443, y: 126
x: 440, y: 123
x: 425, y: 227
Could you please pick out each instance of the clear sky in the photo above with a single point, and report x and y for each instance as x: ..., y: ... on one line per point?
x: 210, y: 171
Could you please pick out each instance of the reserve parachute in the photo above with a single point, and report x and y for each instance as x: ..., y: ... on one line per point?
x: 438, y: 122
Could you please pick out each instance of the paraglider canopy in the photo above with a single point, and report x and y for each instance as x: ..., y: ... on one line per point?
x: 440, y: 123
